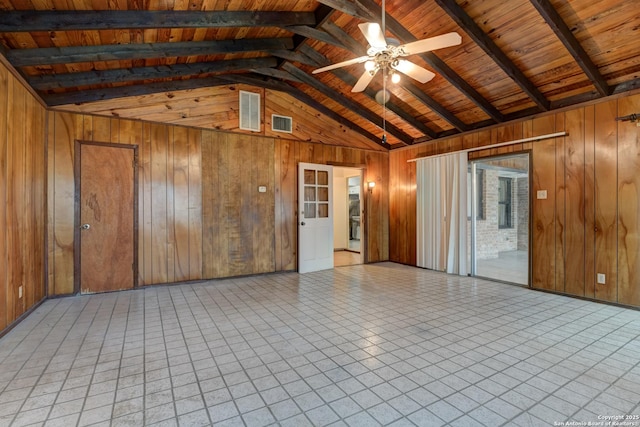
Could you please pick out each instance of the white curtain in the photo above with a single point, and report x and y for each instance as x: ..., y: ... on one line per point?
x: 442, y: 213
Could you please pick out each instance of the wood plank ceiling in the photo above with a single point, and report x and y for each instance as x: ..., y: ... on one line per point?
x: 517, y: 57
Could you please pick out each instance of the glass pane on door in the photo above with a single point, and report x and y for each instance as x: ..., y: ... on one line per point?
x: 323, y: 178
x: 500, y: 232
x: 309, y: 176
x: 309, y: 210
x: 309, y: 194
x: 323, y: 194
x: 323, y: 210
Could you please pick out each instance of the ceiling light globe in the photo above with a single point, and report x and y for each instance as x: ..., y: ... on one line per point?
x: 395, y: 78
x: 369, y: 65
x: 383, y: 96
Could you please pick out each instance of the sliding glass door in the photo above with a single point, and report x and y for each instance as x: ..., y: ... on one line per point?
x: 499, y: 218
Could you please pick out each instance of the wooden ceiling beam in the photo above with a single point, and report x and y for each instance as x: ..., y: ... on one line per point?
x: 322, y: 15
x: 292, y: 56
x: 316, y: 34
x: 593, y: 95
x: 276, y: 73
x: 370, y: 10
x: 352, y: 44
x: 563, y: 32
x: 101, y: 77
x: 123, y: 52
x: 445, y: 114
x: 69, y: 20
x: 346, y: 102
x: 352, y: 8
x: 457, y: 13
x: 314, y: 58
x: 95, y: 95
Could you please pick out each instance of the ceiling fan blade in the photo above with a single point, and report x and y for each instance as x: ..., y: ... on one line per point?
x: 432, y: 43
x: 364, y: 81
x: 373, y: 33
x: 414, y: 71
x: 341, y: 64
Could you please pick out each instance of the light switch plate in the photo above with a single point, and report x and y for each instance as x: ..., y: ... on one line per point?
x: 541, y: 194
x: 262, y: 189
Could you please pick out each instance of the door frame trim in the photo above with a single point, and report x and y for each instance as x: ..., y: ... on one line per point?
x: 77, y: 208
x: 364, y: 210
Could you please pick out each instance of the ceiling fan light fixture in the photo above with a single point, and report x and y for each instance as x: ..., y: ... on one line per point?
x: 383, y: 96
x: 385, y: 55
x: 370, y: 65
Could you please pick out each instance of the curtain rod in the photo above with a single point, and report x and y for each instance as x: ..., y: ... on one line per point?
x: 500, y: 144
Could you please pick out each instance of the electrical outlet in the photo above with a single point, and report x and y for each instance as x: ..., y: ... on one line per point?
x: 601, y: 279
x: 20, y: 292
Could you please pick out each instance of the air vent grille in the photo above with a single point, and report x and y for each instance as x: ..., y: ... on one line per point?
x: 281, y: 123
x: 250, y: 111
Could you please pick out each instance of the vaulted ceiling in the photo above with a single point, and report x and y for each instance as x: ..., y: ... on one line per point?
x: 517, y: 57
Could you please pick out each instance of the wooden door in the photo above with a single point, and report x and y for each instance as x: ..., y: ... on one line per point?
x: 315, y: 219
x: 105, y: 218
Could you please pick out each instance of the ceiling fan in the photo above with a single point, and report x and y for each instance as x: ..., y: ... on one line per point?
x: 386, y: 55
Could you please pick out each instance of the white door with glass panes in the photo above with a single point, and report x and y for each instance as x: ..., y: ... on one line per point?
x: 315, y: 217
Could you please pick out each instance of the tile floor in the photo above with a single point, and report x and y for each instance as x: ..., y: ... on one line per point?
x: 366, y: 345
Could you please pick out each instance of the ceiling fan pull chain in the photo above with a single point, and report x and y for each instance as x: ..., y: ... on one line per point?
x: 385, y: 73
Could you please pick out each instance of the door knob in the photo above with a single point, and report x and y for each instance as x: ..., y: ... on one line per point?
x: 302, y: 223
x: 85, y: 226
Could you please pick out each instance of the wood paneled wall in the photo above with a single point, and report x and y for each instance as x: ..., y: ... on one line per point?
x: 23, y: 195
x: 238, y: 220
x: 590, y: 221
x: 200, y: 213
x: 217, y: 108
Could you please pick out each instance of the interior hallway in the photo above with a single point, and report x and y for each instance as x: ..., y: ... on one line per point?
x: 380, y: 344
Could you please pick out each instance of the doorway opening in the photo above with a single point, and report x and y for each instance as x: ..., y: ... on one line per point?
x: 499, y: 218
x: 348, y: 204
